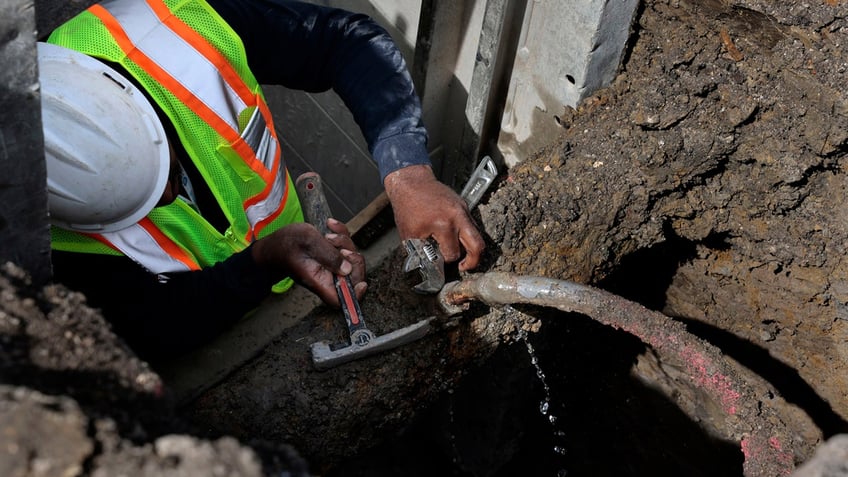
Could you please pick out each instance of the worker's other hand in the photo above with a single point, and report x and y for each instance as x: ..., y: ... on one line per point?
x: 425, y: 207
x: 302, y: 253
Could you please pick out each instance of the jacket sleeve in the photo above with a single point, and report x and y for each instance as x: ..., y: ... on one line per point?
x: 313, y: 48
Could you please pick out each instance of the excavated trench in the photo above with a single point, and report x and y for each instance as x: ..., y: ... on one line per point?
x: 705, y: 184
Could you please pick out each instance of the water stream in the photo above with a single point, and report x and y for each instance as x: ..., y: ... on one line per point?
x: 545, y: 406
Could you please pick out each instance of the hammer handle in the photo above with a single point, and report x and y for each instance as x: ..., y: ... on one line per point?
x: 316, y: 211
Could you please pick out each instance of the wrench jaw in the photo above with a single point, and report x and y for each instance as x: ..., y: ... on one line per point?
x: 425, y: 256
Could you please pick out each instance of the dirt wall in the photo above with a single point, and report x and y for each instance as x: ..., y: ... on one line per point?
x: 708, y: 182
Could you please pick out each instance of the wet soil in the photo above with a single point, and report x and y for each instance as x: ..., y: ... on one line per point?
x: 705, y: 183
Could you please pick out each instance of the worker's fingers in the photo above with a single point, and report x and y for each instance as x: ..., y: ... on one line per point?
x: 424, y: 207
x: 357, y: 261
x: 302, y: 253
x: 474, y: 245
x: 340, y: 238
x: 456, y: 234
x: 341, y: 242
x: 360, y: 289
x: 337, y: 227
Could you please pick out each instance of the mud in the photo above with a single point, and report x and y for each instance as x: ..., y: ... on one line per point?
x: 706, y: 183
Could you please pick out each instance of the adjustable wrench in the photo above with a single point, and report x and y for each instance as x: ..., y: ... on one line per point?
x: 424, y: 254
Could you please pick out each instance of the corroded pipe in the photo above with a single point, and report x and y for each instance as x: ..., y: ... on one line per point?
x: 763, y: 437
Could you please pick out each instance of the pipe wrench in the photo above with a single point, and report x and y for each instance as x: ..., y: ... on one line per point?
x: 424, y: 254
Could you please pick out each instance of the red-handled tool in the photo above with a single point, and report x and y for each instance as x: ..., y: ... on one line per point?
x: 363, y: 342
x: 316, y: 211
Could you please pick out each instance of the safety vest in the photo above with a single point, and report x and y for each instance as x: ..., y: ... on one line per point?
x: 193, y: 65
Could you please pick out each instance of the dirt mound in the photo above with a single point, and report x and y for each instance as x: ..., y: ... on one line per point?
x: 74, y: 400
x: 706, y: 183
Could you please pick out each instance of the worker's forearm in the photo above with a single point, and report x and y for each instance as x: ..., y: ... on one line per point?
x: 314, y: 48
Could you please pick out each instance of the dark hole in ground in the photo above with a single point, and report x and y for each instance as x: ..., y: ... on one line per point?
x: 785, y: 379
x: 608, y: 422
x: 644, y: 277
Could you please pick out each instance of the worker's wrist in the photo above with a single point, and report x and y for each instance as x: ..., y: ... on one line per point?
x: 407, y: 178
x: 263, y: 262
x: 400, y: 151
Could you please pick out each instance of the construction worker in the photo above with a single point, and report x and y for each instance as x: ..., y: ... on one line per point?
x: 171, y: 207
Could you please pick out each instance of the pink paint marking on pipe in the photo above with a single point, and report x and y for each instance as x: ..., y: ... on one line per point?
x: 755, y: 451
x: 745, y: 445
x: 699, y: 366
x: 783, y: 456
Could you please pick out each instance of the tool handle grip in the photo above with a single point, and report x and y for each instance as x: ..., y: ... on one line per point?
x: 316, y: 211
x: 313, y: 202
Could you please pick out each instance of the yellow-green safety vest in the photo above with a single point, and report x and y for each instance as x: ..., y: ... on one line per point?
x: 195, y: 68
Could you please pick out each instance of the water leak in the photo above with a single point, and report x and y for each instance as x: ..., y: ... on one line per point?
x: 545, y: 406
x: 456, y: 457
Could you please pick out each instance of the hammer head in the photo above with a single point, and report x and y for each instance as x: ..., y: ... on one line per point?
x: 424, y: 255
x: 325, y: 356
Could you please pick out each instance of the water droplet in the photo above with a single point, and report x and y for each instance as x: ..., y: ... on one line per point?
x: 543, y: 407
x: 559, y: 450
x: 552, y: 419
x: 562, y: 473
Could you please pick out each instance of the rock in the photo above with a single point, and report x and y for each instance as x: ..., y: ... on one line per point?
x: 830, y: 459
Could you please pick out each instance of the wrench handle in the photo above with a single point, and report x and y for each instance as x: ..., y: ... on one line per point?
x: 316, y: 211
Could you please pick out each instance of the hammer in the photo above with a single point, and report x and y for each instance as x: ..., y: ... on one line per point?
x: 362, y: 341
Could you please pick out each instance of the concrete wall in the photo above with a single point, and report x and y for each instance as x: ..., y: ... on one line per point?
x: 23, y: 216
x: 563, y: 56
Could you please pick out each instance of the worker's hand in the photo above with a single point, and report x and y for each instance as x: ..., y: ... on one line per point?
x: 425, y: 207
x: 300, y: 252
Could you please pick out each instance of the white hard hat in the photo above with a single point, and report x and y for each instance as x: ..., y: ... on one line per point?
x: 106, y: 150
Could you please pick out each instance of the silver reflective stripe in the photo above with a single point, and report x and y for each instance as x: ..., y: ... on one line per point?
x: 178, y: 58
x: 252, y: 133
x: 136, y: 243
x: 267, y: 149
x: 263, y: 209
x: 257, y: 135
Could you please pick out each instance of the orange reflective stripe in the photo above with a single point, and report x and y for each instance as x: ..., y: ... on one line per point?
x: 160, y: 75
x: 103, y: 240
x: 225, y: 69
x: 172, y: 249
x: 201, y: 45
x: 178, y: 90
